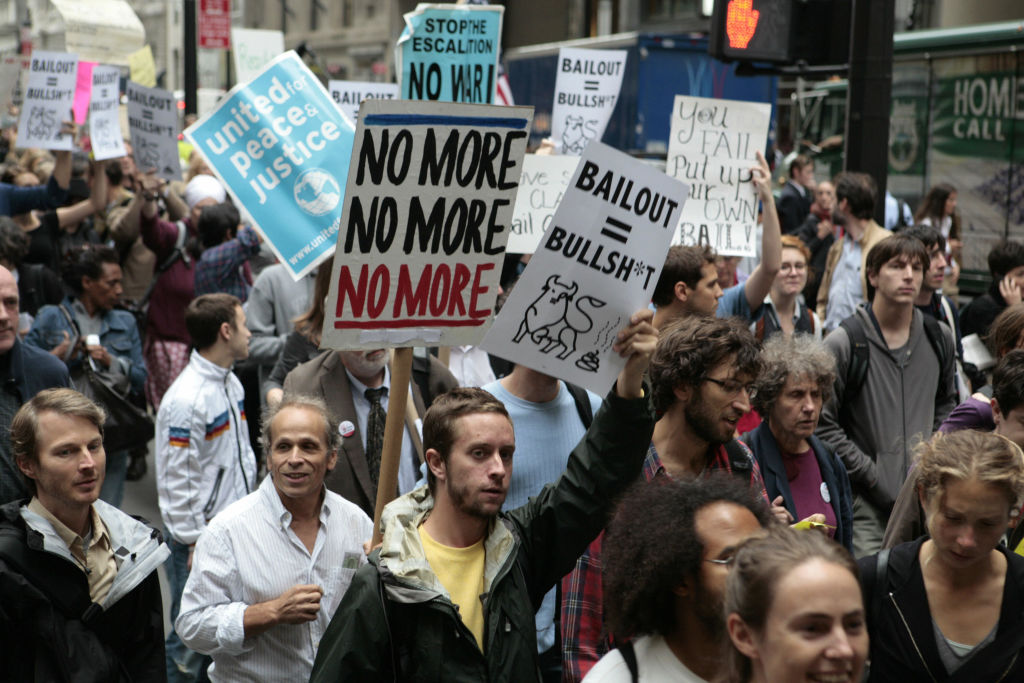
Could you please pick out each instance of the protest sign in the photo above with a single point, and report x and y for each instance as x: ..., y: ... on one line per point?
x: 450, y: 53
x: 153, y: 122
x: 596, y: 265
x: 349, y: 94
x: 586, y: 88
x: 104, y: 31
x: 712, y: 146
x: 253, y: 49
x: 48, y: 97
x: 141, y: 67
x: 541, y: 187
x: 282, y: 149
x: 104, y: 124
x: 83, y: 91
x: 430, y: 193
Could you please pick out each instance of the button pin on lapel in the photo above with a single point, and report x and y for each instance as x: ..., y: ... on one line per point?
x: 346, y: 429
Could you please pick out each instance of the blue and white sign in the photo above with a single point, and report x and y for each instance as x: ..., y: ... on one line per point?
x: 282, y: 148
x: 449, y: 53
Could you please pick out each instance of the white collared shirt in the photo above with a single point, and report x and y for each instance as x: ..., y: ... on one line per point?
x: 249, y: 554
x: 409, y: 466
x: 471, y: 366
x: 845, y: 292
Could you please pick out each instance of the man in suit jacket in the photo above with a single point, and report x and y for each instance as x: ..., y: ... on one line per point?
x: 341, y: 378
x: 794, y: 201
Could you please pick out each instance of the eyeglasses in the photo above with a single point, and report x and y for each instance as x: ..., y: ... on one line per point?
x: 725, y: 562
x: 731, y: 386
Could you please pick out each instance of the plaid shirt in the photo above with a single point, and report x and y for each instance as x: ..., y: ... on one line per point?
x: 225, y: 267
x: 584, y: 640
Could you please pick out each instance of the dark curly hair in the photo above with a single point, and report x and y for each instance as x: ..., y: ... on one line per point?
x: 693, y: 346
x: 86, y: 261
x: 13, y: 241
x: 651, y: 545
x: 682, y: 264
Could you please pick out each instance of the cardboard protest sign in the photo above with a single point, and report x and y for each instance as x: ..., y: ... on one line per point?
x: 450, y: 53
x: 153, y: 122
x: 253, y: 49
x: 83, y: 91
x: 48, y: 97
x: 541, y: 187
x: 104, y: 31
x: 282, y: 149
x: 430, y: 193
x: 104, y: 125
x: 141, y: 67
x: 712, y: 146
x: 348, y: 95
x: 586, y: 87
x: 596, y: 265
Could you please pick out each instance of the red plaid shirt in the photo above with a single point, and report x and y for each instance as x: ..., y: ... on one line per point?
x: 584, y: 640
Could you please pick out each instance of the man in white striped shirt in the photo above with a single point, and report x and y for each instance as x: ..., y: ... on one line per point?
x: 270, y: 570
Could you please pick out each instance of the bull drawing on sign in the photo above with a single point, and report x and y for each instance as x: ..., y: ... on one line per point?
x: 574, y: 137
x: 556, y: 318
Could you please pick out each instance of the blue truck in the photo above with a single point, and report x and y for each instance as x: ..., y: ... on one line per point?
x: 658, y: 68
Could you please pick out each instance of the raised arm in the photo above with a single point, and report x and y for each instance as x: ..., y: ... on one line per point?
x: 760, y: 281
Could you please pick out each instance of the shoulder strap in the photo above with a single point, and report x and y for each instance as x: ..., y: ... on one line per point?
x: 629, y: 655
x: 739, y: 461
x: 934, y: 334
x: 860, y: 358
x: 881, y: 586
x: 582, y: 400
x: 759, y: 329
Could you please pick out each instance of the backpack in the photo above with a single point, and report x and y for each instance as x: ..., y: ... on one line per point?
x: 860, y: 356
x: 759, y: 326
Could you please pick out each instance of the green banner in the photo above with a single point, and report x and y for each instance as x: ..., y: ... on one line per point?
x: 974, y: 115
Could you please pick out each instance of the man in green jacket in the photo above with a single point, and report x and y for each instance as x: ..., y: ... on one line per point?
x: 452, y: 591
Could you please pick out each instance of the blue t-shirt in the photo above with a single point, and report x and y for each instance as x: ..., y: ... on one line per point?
x: 734, y: 303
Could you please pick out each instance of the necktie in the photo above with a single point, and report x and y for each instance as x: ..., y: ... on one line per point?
x: 375, y: 432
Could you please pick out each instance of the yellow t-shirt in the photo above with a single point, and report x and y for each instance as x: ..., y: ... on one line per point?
x: 461, y: 572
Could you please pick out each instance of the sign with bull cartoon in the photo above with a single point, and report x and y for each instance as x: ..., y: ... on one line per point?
x: 586, y: 88
x: 597, y: 263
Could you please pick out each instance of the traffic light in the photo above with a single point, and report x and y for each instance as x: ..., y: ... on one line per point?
x: 781, y: 32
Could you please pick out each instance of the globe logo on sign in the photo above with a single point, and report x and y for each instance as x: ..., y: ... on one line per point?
x: 316, y: 192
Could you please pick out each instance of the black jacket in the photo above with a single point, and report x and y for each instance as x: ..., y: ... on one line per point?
x: 792, y: 207
x: 833, y: 474
x: 50, y: 630
x: 903, y: 648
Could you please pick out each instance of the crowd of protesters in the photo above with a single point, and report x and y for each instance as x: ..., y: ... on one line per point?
x: 796, y: 471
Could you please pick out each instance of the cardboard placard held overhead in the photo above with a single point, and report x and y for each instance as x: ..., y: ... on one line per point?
x: 429, y: 200
x: 153, y: 122
x: 141, y: 67
x: 348, y: 95
x: 253, y: 49
x: 541, y: 187
x: 49, y: 95
x: 597, y: 264
x: 282, y: 148
x: 104, y: 122
x: 586, y: 87
x: 712, y: 146
x: 449, y: 53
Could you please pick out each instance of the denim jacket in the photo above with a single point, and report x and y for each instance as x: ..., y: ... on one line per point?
x: 119, y: 336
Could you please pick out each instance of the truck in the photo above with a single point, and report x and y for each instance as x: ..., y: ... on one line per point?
x: 658, y: 67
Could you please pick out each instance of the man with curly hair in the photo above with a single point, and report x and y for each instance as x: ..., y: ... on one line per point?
x: 667, y: 553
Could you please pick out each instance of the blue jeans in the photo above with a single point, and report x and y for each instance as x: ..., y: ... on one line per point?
x: 112, y: 490
x: 183, y: 665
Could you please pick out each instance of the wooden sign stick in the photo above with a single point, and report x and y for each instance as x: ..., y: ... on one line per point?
x: 394, y: 426
x: 444, y: 354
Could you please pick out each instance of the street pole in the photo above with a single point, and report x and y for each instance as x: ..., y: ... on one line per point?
x: 869, y: 95
x: 191, y: 59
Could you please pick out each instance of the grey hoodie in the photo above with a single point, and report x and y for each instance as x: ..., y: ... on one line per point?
x: 905, y: 397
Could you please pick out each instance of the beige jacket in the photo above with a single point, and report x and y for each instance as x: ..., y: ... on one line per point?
x: 872, y: 236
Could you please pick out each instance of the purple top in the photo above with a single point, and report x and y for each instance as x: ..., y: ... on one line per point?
x: 810, y: 495
x: 971, y: 414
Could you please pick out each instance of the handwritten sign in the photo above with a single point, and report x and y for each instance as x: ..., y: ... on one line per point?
x: 48, y: 97
x: 142, y: 68
x: 429, y: 200
x: 253, y: 49
x: 586, y: 87
x: 712, y: 146
x: 153, y: 122
x: 450, y: 53
x: 597, y: 264
x: 282, y: 149
x: 348, y: 95
x: 541, y: 187
x: 104, y: 122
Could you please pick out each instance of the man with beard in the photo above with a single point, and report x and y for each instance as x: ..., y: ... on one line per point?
x: 355, y: 385
x: 700, y: 376
x: 667, y: 554
x: 451, y: 593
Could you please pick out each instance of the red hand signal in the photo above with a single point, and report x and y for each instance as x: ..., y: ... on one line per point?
x: 740, y: 23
